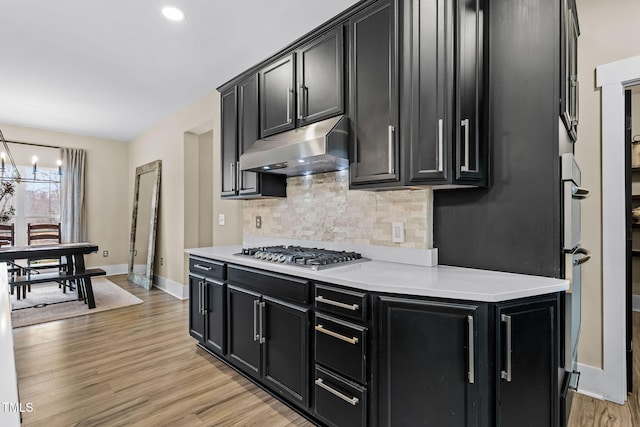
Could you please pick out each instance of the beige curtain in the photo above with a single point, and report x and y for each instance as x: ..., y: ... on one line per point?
x: 73, y: 223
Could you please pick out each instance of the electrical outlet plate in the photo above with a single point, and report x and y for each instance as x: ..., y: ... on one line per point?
x: 105, y: 254
x: 221, y: 219
x: 397, y: 232
x: 258, y: 221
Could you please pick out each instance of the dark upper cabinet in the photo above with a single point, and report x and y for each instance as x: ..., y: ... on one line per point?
x: 527, y: 363
x: 438, y: 137
x: 277, y: 96
x: 432, y: 346
x: 320, y: 82
x: 248, y: 129
x: 229, y: 141
x: 374, y: 95
x: 569, y: 87
x: 240, y: 124
x: 443, y: 55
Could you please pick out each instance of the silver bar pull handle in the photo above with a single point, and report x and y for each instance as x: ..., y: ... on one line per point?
x: 577, y: 118
x: 256, y: 337
x: 262, y: 338
x: 465, y: 124
x: 472, y: 370
x: 321, y: 328
x: 392, y: 149
x: 352, y: 307
x: 202, y: 267
x: 579, y: 193
x: 440, y: 144
x: 239, y: 175
x: 232, y: 175
x: 305, y: 102
x: 204, y: 297
x: 506, y: 374
x: 200, y: 297
x: 300, y: 92
x: 352, y: 400
x: 289, y: 92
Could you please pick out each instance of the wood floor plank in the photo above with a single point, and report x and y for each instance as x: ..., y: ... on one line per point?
x: 134, y: 366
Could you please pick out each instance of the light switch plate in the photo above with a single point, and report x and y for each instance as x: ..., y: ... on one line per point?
x: 397, y: 232
x: 221, y: 219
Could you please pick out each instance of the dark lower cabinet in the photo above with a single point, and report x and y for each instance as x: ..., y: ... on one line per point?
x: 206, y: 312
x: 368, y: 359
x: 196, y: 301
x: 242, y: 329
x: 427, y: 363
x: 527, y: 361
x: 285, y: 349
x: 269, y: 339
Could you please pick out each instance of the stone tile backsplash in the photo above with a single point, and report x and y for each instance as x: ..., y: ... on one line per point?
x: 321, y: 207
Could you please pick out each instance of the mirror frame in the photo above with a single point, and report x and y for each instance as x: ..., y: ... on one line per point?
x: 145, y: 280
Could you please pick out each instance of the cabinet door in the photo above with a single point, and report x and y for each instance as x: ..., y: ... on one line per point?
x: 196, y: 310
x: 469, y: 56
x: 431, y: 346
x: 526, y: 383
x: 320, y: 78
x: 214, y: 317
x: 285, y: 339
x: 373, y: 100
x: 229, y: 142
x: 277, y: 96
x: 242, y: 329
x: 248, y: 129
x: 431, y: 89
x: 569, y: 32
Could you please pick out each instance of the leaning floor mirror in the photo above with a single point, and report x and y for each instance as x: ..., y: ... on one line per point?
x: 146, y: 194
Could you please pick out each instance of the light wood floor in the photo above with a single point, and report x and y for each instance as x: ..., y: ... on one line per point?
x: 139, y: 366
x: 588, y: 412
x: 134, y: 366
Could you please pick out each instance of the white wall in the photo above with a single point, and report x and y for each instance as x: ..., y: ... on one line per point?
x: 175, y: 142
x: 106, y: 181
x: 609, y: 32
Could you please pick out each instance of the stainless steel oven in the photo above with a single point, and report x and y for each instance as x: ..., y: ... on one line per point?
x: 574, y: 257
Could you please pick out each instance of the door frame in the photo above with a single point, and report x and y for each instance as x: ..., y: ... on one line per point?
x: 613, y: 78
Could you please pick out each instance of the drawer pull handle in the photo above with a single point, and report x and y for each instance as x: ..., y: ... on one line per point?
x: 202, y: 267
x: 352, y: 400
x: 321, y: 328
x: 352, y: 307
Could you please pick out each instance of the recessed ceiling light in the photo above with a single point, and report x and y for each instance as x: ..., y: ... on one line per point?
x: 173, y: 13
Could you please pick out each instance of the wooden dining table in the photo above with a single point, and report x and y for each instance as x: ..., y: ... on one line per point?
x: 72, y: 267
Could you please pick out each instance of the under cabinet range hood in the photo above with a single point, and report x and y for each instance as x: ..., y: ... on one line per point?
x: 315, y: 148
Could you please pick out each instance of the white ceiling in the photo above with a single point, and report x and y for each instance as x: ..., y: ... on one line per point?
x: 114, y: 68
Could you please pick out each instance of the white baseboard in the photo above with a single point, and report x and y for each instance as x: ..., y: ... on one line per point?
x: 591, y: 381
x: 636, y: 302
x: 115, y: 269
x: 175, y: 289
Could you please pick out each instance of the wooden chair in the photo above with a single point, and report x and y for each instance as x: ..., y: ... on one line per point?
x: 7, y: 238
x: 43, y: 234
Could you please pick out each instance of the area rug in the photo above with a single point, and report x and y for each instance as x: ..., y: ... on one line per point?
x: 46, y: 303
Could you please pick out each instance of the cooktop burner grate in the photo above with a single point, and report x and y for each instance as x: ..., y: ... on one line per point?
x: 314, y: 258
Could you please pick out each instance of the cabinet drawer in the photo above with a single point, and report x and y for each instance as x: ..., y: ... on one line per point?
x: 341, y: 302
x: 206, y: 267
x: 339, y: 402
x: 341, y: 346
x: 292, y: 289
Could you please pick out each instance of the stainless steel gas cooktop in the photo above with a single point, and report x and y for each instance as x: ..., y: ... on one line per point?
x: 313, y: 258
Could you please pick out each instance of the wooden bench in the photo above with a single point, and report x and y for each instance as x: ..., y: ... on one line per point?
x: 83, y: 280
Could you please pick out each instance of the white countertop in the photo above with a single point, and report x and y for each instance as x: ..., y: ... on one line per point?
x: 8, y: 377
x: 389, y: 277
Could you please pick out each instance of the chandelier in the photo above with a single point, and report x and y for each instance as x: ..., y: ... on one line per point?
x: 11, y: 172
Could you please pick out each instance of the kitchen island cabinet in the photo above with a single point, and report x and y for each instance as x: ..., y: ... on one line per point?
x: 421, y: 359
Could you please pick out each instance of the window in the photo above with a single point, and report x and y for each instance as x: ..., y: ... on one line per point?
x: 36, y: 202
